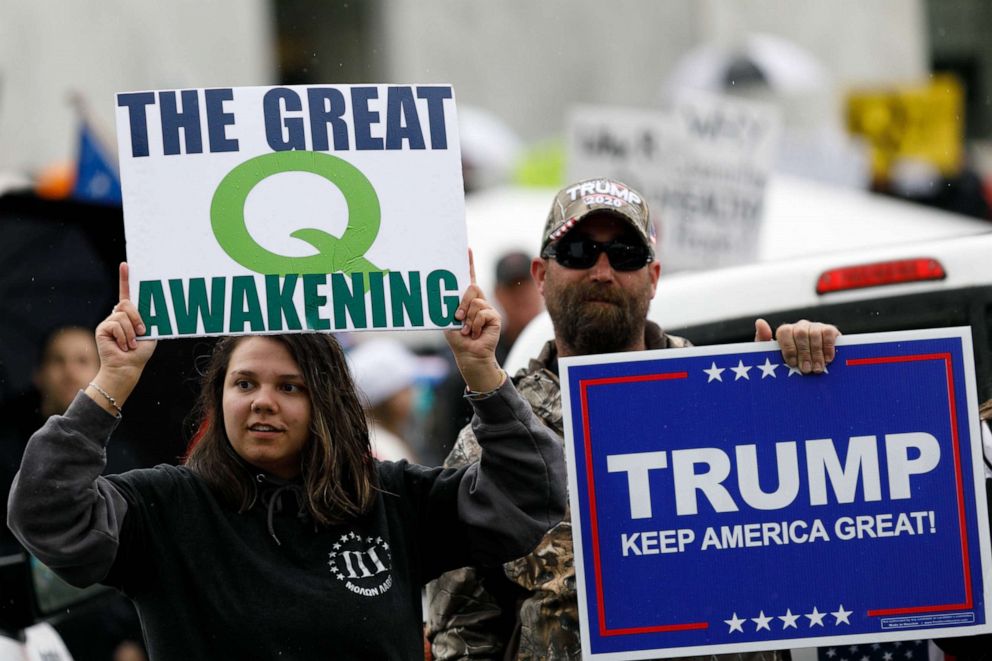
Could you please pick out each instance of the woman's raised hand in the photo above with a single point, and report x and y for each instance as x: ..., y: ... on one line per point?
x: 474, y: 344
x: 122, y: 357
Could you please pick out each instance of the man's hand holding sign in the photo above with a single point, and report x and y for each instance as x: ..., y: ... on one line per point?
x: 806, y: 345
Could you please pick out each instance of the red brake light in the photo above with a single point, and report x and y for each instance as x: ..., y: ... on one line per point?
x: 880, y: 273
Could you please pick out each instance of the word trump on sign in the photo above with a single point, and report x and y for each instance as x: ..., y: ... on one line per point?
x: 703, y: 471
x: 746, y: 489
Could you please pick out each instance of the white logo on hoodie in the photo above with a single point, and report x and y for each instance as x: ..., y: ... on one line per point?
x: 362, y: 563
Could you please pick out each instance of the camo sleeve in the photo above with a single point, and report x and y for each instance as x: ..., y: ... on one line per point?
x: 463, y: 618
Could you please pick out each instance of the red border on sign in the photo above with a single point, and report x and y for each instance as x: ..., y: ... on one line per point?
x: 584, y: 386
x: 958, y: 482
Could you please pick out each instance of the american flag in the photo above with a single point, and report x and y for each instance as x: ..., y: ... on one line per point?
x: 910, y: 650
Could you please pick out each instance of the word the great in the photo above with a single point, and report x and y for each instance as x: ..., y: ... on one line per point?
x: 704, y: 471
x: 320, y: 119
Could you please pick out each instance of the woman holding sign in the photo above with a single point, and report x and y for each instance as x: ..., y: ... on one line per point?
x: 281, y: 536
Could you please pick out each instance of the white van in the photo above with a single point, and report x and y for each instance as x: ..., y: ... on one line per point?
x: 861, y: 261
x: 906, y: 285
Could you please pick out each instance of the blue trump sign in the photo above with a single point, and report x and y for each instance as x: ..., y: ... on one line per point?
x: 722, y: 501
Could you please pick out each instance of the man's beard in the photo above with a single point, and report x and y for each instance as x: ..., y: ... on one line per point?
x: 592, y: 318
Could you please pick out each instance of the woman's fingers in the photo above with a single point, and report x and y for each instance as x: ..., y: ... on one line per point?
x: 124, y: 303
x: 115, y: 330
x: 479, y: 315
x: 124, y: 287
x: 471, y: 294
x: 119, y: 325
x: 128, y: 309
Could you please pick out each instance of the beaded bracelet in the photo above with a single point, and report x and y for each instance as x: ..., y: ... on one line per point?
x: 113, y: 402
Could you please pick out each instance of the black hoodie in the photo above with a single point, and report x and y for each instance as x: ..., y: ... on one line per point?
x: 212, y: 583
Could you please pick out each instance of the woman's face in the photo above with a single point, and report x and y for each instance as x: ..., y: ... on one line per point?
x: 266, y: 406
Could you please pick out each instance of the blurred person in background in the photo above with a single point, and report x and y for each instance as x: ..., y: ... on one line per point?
x: 597, y: 273
x: 518, y: 298
x: 489, y: 148
x: 68, y: 362
x: 385, y: 371
x: 519, y: 301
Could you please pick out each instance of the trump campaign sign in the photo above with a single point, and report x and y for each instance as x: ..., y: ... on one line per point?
x: 722, y: 501
x: 281, y: 209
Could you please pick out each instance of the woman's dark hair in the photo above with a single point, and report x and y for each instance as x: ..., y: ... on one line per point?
x: 337, y: 468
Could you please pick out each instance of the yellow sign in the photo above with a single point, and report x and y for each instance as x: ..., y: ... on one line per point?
x: 923, y: 123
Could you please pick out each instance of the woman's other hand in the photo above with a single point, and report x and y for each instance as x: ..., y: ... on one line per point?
x: 474, y: 344
x: 122, y: 356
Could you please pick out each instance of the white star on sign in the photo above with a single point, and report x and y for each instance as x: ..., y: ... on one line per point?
x: 794, y: 370
x: 887, y: 656
x: 768, y: 369
x: 736, y: 624
x: 816, y: 617
x: 714, y: 373
x: 336, y: 546
x: 741, y: 371
x: 841, y: 615
x: 831, y: 653
x: 788, y: 620
x: 762, y: 621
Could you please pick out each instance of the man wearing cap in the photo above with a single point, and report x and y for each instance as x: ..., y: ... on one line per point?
x: 597, y: 272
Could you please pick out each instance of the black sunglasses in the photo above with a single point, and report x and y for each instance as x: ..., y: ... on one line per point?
x: 582, y: 252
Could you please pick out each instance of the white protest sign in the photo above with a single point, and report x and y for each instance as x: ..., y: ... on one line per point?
x: 281, y: 209
x: 702, y: 165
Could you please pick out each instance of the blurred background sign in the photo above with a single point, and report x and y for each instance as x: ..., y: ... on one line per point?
x: 921, y: 124
x: 703, y: 165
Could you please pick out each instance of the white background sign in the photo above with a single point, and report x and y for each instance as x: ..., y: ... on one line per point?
x: 702, y: 165
x: 301, y: 165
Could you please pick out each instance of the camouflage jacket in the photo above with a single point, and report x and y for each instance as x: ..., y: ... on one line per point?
x: 527, y: 609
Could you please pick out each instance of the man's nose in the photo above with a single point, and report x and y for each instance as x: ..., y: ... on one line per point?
x: 601, y: 270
